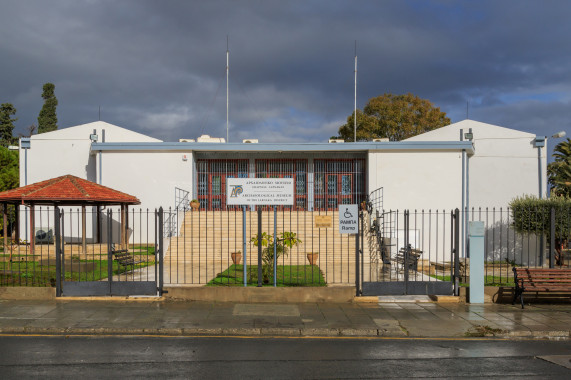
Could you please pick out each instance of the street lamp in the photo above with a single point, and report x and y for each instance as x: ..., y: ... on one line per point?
x: 557, y: 135
x: 540, y: 142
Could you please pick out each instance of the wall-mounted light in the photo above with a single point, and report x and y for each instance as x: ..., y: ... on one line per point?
x: 93, y: 137
x: 25, y: 143
x: 468, y: 136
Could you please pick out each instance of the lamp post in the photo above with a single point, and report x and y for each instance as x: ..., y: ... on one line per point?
x: 558, y: 135
x: 540, y: 142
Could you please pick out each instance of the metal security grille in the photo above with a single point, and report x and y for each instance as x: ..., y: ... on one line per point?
x: 320, y: 183
x: 296, y: 169
x: 338, y: 182
x: 212, y: 176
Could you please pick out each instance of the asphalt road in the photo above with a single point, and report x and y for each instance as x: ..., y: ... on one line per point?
x: 86, y: 357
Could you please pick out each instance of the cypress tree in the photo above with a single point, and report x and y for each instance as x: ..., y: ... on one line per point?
x: 47, y: 121
x: 7, y: 110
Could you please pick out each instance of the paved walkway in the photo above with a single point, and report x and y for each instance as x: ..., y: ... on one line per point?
x: 392, y: 319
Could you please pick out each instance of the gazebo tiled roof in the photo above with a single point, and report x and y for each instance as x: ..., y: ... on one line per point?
x: 67, y: 189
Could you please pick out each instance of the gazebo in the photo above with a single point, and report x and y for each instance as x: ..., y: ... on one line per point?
x: 67, y: 190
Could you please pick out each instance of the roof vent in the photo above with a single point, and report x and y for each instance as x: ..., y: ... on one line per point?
x: 250, y: 141
x: 207, y: 138
x: 336, y: 141
x: 186, y: 140
x: 384, y: 139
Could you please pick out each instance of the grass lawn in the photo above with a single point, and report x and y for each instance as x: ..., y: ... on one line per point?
x: 287, y: 275
x: 142, y: 250
x: 21, y: 273
x: 488, y: 281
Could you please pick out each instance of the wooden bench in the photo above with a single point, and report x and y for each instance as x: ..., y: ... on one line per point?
x: 411, y: 254
x: 540, y: 280
x: 124, y: 259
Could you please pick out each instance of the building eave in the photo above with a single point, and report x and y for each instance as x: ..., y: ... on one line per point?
x: 292, y: 147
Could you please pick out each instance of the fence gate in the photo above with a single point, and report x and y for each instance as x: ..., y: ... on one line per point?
x: 416, y: 253
x: 115, y: 267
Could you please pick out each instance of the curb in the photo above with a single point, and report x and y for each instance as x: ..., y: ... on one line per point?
x: 262, y: 332
x: 112, y: 299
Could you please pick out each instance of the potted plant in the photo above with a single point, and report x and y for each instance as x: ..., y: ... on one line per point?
x: 285, y: 241
x: 195, y: 204
x: 236, y: 257
x: 312, y: 257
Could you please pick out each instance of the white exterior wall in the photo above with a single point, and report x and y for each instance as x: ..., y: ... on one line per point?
x: 67, y: 151
x: 150, y: 176
x: 504, y: 164
x: 417, y: 180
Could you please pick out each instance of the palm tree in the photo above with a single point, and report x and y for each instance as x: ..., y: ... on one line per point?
x: 559, y: 171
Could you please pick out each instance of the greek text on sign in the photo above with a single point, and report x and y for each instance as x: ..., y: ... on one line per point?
x: 348, y: 219
x: 259, y: 191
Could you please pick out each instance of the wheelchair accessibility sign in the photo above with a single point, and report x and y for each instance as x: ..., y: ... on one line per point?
x: 348, y: 219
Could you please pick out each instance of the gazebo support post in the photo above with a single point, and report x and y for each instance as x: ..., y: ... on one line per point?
x: 17, y: 224
x: 123, y: 229
x: 32, y: 229
x: 5, y: 225
x: 83, y: 230
x: 98, y: 225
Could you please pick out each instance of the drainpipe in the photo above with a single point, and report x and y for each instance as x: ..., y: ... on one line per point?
x: 469, y: 136
x: 463, y: 195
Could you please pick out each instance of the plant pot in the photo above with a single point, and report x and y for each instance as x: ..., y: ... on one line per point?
x: 312, y: 257
x: 195, y: 205
x: 236, y: 257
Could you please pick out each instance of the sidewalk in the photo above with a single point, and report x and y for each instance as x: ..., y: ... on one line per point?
x: 391, y: 319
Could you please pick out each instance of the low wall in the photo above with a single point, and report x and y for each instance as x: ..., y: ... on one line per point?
x: 261, y: 295
x: 27, y: 293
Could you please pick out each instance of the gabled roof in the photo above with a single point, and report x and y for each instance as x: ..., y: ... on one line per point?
x: 481, y: 131
x: 113, y: 133
x: 69, y: 190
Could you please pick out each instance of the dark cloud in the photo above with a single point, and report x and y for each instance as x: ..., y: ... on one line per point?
x: 158, y: 67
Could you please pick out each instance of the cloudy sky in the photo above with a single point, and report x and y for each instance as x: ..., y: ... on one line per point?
x: 159, y: 67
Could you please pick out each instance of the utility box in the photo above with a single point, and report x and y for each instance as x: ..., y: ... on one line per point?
x: 476, y: 232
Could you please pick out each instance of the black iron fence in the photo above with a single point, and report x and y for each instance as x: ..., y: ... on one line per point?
x: 410, y: 251
x: 521, y: 240
x: 211, y: 247
x: 223, y: 247
x: 79, y: 246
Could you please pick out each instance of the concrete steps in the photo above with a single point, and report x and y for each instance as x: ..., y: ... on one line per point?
x: 213, y: 235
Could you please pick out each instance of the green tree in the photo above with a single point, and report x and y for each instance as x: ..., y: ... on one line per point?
x: 9, y: 177
x: 47, y: 121
x: 396, y: 117
x: 559, y: 171
x: 7, y: 110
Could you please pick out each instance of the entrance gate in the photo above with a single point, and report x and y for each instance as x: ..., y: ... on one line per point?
x: 115, y: 269
x: 416, y: 253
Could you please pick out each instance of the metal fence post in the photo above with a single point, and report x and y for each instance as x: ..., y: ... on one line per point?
x: 244, y: 245
x: 406, y: 249
x: 161, y: 263
x: 275, y: 245
x: 357, y: 266
x: 456, y: 252
x: 259, y: 246
x: 362, y: 252
x: 552, y: 238
x: 109, y: 248
x: 58, y: 251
